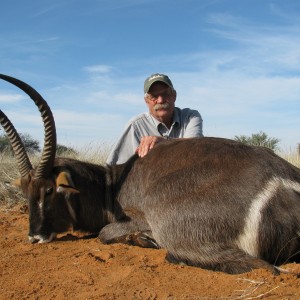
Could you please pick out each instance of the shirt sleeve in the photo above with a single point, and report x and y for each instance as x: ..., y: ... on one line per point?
x: 194, y: 125
x: 125, y: 147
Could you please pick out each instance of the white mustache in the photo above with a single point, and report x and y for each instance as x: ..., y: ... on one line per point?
x: 161, y: 106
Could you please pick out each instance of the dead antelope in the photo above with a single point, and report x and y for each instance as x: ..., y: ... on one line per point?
x: 211, y: 202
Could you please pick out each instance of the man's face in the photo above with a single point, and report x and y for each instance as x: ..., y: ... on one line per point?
x: 161, y: 102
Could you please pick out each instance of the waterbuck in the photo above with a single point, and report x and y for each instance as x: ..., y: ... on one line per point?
x: 211, y: 202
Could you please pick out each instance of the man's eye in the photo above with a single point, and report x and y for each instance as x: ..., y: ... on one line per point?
x: 166, y: 94
x: 49, y: 191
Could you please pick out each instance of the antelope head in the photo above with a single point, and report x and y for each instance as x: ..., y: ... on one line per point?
x: 41, y: 185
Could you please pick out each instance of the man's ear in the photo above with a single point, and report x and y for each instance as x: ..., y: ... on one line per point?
x: 64, y: 183
x: 146, y: 98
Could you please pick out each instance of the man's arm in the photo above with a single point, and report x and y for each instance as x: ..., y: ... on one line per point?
x: 129, y: 143
x: 194, y: 125
x: 193, y: 128
x: 147, y: 143
x: 124, y: 148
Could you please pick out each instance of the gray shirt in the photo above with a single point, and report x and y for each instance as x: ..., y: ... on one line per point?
x: 186, y: 123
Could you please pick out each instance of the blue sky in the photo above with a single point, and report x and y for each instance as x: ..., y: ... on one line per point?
x: 236, y: 61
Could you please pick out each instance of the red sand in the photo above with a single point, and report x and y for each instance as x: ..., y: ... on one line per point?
x: 75, y: 268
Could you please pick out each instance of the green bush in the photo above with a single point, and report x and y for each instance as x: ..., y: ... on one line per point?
x: 259, y: 139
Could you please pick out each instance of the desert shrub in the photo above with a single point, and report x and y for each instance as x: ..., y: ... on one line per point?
x: 64, y: 150
x: 31, y: 145
x: 259, y: 139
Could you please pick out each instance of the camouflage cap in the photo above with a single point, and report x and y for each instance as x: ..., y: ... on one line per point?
x: 154, y: 78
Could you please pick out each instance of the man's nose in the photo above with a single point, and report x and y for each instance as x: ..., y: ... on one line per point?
x: 160, y: 99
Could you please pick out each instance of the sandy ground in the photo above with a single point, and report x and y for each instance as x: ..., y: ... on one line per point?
x: 74, y: 267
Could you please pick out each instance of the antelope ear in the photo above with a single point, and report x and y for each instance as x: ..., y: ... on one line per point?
x: 16, y: 183
x: 66, y: 189
x: 64, y: 183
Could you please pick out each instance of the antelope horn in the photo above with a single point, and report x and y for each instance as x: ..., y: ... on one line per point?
x: 47, y: 161
x: 23, y: 161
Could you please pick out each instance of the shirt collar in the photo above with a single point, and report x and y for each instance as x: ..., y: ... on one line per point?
x: 176, y: 119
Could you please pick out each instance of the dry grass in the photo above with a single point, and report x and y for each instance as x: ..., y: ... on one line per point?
x: 292, y: 157
x: 253, y: 290
x: 9, y: 196
x: 94, y: 153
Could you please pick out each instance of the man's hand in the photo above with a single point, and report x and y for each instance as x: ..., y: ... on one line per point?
x: 147, y: 143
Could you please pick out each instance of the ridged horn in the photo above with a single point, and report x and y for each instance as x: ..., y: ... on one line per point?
x: 47, y: 161
x: 23, y: 161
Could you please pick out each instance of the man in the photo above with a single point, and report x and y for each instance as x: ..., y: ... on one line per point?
x: 162, y: 122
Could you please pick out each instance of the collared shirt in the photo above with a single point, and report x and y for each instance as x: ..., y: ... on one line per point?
x: 186, y: 123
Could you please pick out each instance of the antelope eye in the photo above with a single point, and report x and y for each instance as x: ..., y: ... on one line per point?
x: 49, y: 191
